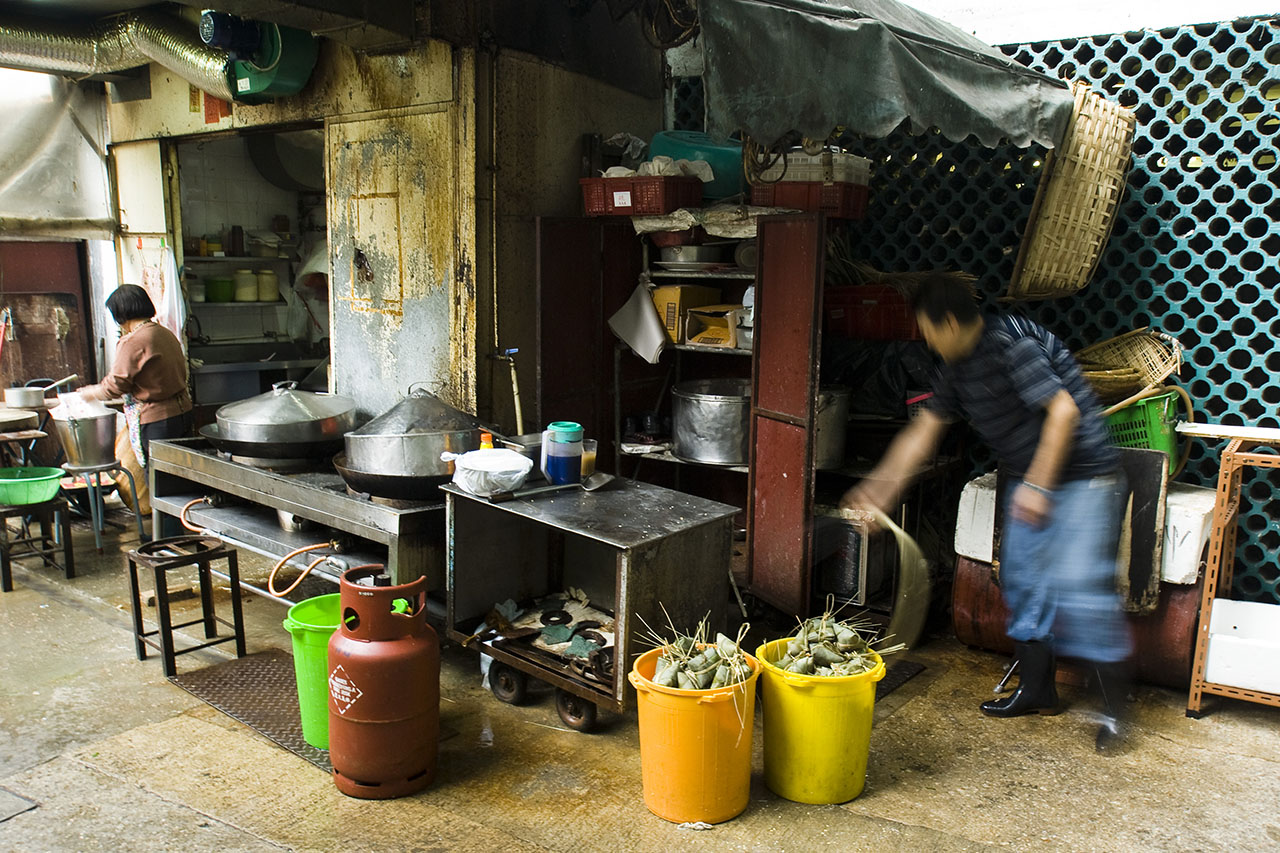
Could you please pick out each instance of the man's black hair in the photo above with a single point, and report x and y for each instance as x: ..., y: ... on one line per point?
x: 941, y: 293
x: 130, y: 302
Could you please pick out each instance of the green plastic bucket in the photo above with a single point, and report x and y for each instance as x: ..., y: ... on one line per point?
x: 311, y: 623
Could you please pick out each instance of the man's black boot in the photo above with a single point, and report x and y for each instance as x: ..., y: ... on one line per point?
x: 1113, y: 684
x: 1036, y: 693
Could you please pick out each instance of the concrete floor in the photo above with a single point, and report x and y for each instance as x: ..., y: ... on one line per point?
x: 99, y: 752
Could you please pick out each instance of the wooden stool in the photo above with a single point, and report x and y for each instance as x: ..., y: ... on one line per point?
x: 51, y: 513
x: 177, y: 552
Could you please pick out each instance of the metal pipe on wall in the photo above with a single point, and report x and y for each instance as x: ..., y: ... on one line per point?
x: 114, y: 44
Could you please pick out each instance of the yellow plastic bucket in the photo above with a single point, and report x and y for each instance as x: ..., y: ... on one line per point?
x: 695, y: 745
x: 817, y: 731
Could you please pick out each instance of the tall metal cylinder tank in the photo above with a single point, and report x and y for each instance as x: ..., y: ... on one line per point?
x: 384, y: 688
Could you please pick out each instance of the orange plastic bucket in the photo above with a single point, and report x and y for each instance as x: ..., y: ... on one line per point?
x: 695, y: 745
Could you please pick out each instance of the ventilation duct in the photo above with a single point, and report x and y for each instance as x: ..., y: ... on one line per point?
x: 115, y: 44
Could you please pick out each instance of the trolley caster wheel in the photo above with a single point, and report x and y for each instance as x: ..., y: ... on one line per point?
x: 575, y: 712
x: 508, y: 684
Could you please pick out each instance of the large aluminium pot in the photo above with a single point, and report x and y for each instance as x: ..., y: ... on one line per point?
x: 286, y: 417
x: 407, y: 439
x: 710, y: 421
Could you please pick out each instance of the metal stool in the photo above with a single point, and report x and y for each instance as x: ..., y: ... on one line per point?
x: 55, y: 522
x: 97, y: 510
x: 177, y: 552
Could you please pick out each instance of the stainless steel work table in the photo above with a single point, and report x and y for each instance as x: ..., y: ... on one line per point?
x: 409, y: 541
x: 633, y: 548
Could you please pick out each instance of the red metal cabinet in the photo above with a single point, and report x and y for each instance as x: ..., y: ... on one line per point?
x: 788, y: 341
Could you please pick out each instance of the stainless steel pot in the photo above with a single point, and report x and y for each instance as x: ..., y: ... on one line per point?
x: 693, y: 254
x: 710, y: 421
x: 87, y: 441
x: 23, y: 398
x: 285, y: 415
x: 833, y: 420
x: 407, y: 439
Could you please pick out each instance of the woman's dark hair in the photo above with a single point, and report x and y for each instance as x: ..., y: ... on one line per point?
x: 941, y: 293
x: 130, y: 302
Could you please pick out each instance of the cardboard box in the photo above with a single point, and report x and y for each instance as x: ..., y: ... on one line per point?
x: 674, y: 301
x: 713, y: 326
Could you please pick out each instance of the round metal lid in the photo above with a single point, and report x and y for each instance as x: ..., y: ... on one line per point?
x: 420, y: 413
x: 285, y: 404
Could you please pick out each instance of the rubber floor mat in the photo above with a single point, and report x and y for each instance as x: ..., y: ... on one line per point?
x: 260, y: 691
x: 896, y: 674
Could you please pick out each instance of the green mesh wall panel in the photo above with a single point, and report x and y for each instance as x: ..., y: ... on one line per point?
x: 690, y: 108
x: 1195, y: 247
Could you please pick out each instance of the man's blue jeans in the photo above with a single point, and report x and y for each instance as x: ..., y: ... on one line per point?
x: 1059, y: 580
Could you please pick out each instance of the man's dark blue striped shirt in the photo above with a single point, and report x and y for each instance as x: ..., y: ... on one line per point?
x: 1003, y: 386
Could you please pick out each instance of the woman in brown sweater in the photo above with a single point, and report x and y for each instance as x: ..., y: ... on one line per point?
x: 149, y: 371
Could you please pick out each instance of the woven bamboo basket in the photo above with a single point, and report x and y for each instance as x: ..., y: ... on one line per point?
x: 1076, y: 200
x: 1129, y: 364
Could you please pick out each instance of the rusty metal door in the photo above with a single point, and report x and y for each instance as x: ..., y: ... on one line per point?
x: 587, y: 268
x: 788, y: 340
x: 401, y: 237
x: 43, y: 286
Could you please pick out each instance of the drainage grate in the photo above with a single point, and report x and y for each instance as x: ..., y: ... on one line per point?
x: 260, y: 691
x: 897, y: 674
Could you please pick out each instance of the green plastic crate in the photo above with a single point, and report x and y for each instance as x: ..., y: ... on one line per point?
x: 1150, y: 422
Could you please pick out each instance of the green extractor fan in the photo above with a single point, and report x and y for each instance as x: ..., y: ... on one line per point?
x: 267, y: 61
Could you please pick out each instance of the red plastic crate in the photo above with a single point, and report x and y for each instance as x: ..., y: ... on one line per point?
x: 639, y: 196
x: 870, y: 312
x: 840, y: 200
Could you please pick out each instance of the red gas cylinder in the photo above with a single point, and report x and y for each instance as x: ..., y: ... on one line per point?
x: 384, y: 688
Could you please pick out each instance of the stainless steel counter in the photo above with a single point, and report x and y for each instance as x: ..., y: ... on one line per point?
x: 410, y: 541
x: 639, y: 552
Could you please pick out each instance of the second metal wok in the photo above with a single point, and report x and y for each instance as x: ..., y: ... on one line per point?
x: 393, y: 486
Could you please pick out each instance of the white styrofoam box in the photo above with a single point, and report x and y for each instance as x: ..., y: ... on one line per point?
x: 826, y: 166
x: 1188, y: 520
x: 1244, y: 645
x: 976, y: 519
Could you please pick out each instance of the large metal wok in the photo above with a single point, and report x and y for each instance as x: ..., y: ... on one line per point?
x: 395, y: 487
x: 271, y: 449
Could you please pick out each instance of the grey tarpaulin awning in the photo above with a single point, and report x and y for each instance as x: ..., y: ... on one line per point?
x: 775, y: 66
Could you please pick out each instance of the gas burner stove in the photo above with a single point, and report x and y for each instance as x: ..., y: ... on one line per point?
x: 189, y: 468
x: 280, y: 466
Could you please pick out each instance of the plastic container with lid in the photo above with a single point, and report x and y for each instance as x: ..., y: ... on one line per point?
x: 725, y: 158
x: 219, y: 289
x: 246, y: 286
x: 268, y: 286
x: 562, y: 453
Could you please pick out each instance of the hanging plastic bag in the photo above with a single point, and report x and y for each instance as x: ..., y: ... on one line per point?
x: 161, y: 284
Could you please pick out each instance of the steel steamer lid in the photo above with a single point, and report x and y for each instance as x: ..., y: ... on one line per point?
x: 420, y: 412
x: 408, y: 438
x: 287, y: 414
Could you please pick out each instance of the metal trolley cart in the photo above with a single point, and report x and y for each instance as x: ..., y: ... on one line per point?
x: 630, y: 551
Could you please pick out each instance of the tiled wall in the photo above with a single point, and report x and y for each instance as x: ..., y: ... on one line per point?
x: 221, y: 188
